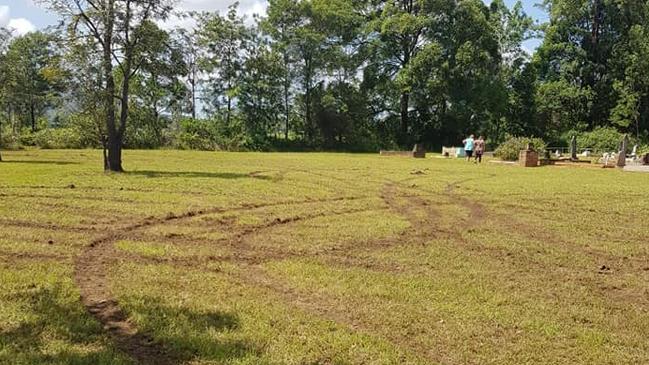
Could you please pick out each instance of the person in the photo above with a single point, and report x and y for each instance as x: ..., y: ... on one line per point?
x: 468, y: 147
x: 479, y: 149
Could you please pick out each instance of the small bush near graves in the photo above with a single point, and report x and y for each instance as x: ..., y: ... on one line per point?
x: 509, y: 150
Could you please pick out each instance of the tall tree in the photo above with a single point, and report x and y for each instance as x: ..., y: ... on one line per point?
x: 261, y: 91
x: 280, y: 23
x: 157, y: 90
x: 119, y: 29
x: 400, y: 26
x: 191, y: 51
x: 4, y: 40
x: 33, y: 76
x: 582, y: 59
x: 226, y: 40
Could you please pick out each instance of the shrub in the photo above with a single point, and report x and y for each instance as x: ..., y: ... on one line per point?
x: 211, y: 135
x: 643, y: 149
x: 602, y: 139
x: 57, y: 138
x: 509, y: 150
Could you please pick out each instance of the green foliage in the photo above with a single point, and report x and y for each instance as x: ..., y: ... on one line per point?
x: 603, y: 139
x: 510, y: 149
x: 210, y: 135
x: 54, y: 138
x: 341, y: 74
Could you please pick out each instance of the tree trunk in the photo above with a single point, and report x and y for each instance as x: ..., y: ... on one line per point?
x: 0, y: 140
x: 193, y: 84
x: 227, y: 117
x: 405, y: 103
x: 113, y: 160
x: 287, y: 86
x: 32, y: 115
x: 114, y: 154
x: 307, y: 99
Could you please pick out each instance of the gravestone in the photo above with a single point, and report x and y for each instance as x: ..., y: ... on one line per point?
x: 645, y: 159
x: 419, y: 151
x: 528, y: 157
x: 573, y: 148
x: 621, y: 157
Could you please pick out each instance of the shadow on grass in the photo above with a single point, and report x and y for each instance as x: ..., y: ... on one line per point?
x: 36, y: 162
x: 191, y: 334
x: 194, y: 174
x: 54, y: 329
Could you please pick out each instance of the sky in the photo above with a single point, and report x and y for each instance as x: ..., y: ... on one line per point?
x: 23, y: 16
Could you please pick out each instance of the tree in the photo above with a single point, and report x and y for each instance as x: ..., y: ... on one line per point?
x: 119, y: 29
x: 400, y: 26
x: 262, y: 91
x: 4, y: 39
x: 226, y: 41
x: 589, y: 49
x: 280, y: 23
x: 188, y: 43
x: 157, y: 90
x: 33, y: 76
x: 85, y: 90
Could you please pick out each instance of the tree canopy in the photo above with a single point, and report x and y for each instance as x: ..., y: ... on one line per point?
x: 327, y: 74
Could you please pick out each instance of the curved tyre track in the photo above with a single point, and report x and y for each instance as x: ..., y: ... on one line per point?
x: 91, y: 275
x: 92, y: 266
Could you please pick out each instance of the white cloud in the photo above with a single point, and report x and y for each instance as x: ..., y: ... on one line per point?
x: 4, y: 15
x: 18, y: 26
x: 246, y: 7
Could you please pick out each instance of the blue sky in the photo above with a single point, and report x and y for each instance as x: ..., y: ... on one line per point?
x: 24, y: 15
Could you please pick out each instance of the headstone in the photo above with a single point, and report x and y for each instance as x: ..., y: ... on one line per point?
x: 645, y: 159
x: 528, y: 157
x: 621, y: 158
x: 573, y: 148
x: 634, y: 153
x: 419, y: 151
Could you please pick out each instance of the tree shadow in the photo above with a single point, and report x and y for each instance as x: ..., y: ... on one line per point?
x: 190, y: 334
x: 196, y: 174
x: 37, y: 162
x: 56, y: 329
x: 53, y: 318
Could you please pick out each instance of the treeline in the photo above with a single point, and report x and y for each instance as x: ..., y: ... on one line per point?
x: 324, y: 74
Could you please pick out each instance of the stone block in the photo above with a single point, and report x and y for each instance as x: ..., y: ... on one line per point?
x: 528, y: 158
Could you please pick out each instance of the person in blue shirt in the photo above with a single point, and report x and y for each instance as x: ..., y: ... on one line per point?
x: 468, y: 147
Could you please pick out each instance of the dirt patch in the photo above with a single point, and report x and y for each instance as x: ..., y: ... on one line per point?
x: 477, y: 211
x: 91, y: 276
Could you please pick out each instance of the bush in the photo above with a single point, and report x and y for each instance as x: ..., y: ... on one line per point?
x: 210, y: 135
x: 52, y: 138
x: 601, y: 139
x: 643, y: 149
x: 509, y: 150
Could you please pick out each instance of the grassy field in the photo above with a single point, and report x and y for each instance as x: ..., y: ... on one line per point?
x: 224, y: 258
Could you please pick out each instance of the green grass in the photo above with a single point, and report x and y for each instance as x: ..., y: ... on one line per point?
x: 326, y: 259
